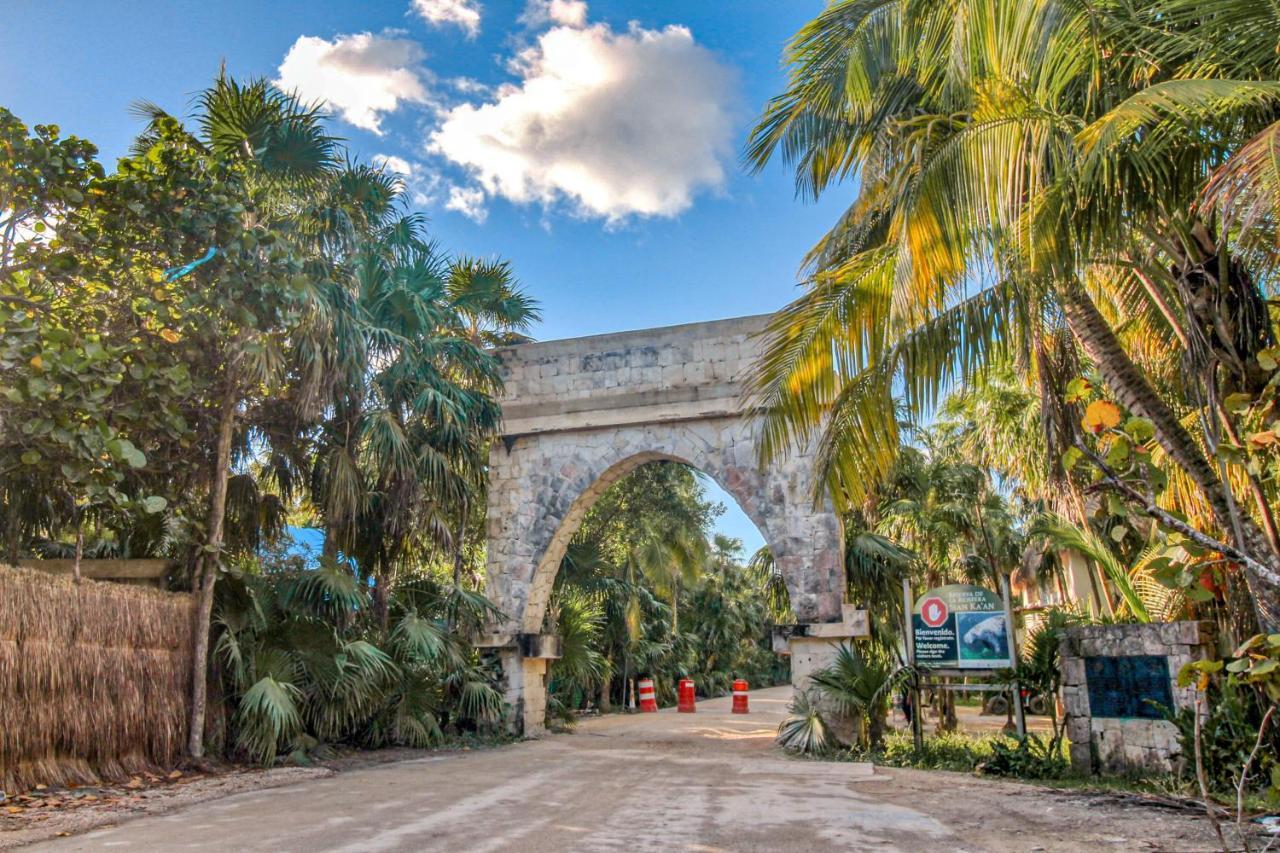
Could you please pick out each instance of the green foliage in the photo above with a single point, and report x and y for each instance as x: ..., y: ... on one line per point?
x: 1229, y: 733
x: 578, y: 619
x: 860, y: 685
x: 304, y: 662
x: 1055, y: 190
x: 803, y: 730
x: 668, y: 599
x: 1026, y: 757
x: 944, y: 751
x: 1238, y: 734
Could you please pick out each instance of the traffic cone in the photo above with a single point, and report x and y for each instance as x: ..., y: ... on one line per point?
x: 648, y: 699
x: 687, y: 699
x: 740, y: 696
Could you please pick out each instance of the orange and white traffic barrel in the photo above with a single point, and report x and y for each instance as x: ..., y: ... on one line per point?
x: 686, y: 696
x: 740, y: 696
x: 648, y: 698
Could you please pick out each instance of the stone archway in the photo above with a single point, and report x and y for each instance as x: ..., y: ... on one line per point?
x: 579, y: 415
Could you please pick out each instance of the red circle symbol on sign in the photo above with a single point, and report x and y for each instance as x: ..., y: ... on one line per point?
x: 933, y: 611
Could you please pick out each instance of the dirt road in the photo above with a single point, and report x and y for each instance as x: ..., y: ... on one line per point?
x: 708, y: 781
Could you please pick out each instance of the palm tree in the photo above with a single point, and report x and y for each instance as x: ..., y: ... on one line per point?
x: 491, y: 311
x: 1015, y: 160
x: 490, y: 306
x: 409, y: 450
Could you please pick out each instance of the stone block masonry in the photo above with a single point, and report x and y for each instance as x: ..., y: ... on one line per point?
x: 1104, y: 740
x: 580, y: 414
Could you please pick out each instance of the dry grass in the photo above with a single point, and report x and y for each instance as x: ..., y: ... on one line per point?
x: 94, y: 679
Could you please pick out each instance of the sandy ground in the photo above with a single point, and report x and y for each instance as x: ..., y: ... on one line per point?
x: 709, y: 781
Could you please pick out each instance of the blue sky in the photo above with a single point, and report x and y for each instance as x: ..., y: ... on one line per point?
x: 620, y: 201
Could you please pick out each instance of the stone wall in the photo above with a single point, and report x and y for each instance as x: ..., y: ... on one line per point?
x: 1126, y: 744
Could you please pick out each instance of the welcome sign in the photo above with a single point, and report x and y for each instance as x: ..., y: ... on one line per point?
x: 960, y: 627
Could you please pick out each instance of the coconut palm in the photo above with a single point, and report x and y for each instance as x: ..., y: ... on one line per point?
x: 1014, y: 161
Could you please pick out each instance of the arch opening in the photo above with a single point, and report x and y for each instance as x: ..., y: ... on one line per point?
x: 736, y: 487
x: 650, y: 586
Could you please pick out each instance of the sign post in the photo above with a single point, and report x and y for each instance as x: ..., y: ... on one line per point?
x: 1020, y: 718
x: 917, y: 723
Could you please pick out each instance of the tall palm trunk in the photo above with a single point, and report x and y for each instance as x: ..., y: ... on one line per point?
x: 382, y: 601
x: 1135, y: 393
x: 459, y: 540
x: 210, y: 559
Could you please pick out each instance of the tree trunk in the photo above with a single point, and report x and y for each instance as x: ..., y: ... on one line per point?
x: 209, y: 563
x: 381, y: 603
x: 75, y: 568
x: 329, y: 548
x: 1135, y: 393
x: 459, y: 540
x: 12, y: 528
x: 606, y: 701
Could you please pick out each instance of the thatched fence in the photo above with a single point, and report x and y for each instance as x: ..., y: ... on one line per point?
x: 94, y: 679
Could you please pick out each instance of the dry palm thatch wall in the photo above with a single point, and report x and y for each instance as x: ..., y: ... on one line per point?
x: 94, y: 679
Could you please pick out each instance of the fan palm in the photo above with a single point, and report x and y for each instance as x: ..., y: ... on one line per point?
x: 304, y: 662
x: 1013, y: 160
x: 404, y: 443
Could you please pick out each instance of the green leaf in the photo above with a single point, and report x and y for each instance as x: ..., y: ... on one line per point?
x: 1139, y: 429
x: 123, y: 449
x: 154, y: 503
x: 1238, y: 402
x: 1078, y: 390
x: 1264, y: 667
x: 31, y: 457
x: 1118, y: 455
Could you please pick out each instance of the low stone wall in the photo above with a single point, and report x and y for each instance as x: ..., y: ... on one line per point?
x: 1111, y: 676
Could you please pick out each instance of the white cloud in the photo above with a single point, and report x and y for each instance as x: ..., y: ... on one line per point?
x: 464, y: 13
x: 568, y: 13
x: 616, y: 123
x: 470, y: 86
x: 421, y: 185
x: 469, y: 201
x: 392, y: 163
x: 360, y: 76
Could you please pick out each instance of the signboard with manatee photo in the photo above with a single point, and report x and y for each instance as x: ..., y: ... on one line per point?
x: 960, y: 627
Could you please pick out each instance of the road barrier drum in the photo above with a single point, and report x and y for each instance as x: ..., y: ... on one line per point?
x: 648, y: 698
x: 740, y: 696
x: 686, y: 695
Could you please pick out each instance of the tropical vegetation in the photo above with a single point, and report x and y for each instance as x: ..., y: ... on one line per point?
x: 646, y: 589
x: 238, y: 330
x: 1043, y: 330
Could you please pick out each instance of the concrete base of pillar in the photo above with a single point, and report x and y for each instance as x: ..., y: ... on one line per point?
x: 526, y: 692
x: 810, y: 654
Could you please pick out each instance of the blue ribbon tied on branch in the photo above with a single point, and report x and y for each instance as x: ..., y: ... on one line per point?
x: 176, y: 273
